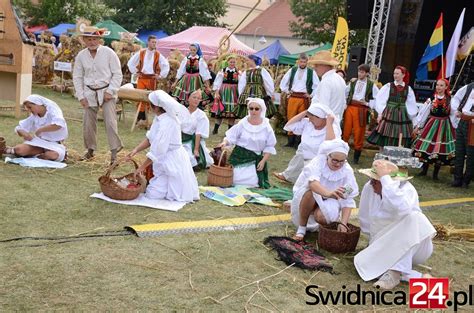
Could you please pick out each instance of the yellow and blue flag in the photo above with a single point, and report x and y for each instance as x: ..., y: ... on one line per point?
x: 432, y: 51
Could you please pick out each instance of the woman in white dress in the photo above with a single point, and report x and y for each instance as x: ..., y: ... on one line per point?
x: 194, y: 132
x: 315, y: 125
x: 174, y: 178
x: 325, y: 188
x: 254, y: 142
x: 44, y: 131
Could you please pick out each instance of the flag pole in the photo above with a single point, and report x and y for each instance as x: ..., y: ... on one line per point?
x: 460, y: 72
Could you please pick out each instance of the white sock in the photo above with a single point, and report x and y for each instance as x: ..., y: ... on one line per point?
x: 301, y: 230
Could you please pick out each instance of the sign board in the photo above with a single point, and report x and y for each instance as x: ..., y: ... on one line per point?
x: 62, y: 66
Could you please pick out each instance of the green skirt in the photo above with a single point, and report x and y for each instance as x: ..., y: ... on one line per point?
x: 185, y: 138
x: 241, y: 156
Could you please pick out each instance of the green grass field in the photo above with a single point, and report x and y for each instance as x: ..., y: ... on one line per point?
x: 219, y: 271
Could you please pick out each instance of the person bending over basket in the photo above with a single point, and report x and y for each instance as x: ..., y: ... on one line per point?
x: 254, y: 142
x: 174, y: 178
x: 324, y: 189
x: 44, y: 131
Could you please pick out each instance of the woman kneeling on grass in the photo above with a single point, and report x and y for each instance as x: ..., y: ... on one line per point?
x: 324, y: 189
x: 254, y: 142
x: 174, y: 178
x: 44, y: 131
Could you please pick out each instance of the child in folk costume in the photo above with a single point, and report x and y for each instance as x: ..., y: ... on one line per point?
x: 44, y: 131
x: 396, y: 107
x: 174, y: 178
x: 193, y: 74
x: 226, y: 94
x: 314, y: 126
x: 390, y: 213
x: 255, y: 82
x: 360, y: 95
x: 436, y: 141
x: 194, y: 131
x: 325, y: 188
x: 463, y: 103
x: 254, y: 142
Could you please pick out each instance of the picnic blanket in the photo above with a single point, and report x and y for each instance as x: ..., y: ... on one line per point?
x: 35, y: 162
x: 166, y: 205
x: 235, y: 196
x: 275, y: 193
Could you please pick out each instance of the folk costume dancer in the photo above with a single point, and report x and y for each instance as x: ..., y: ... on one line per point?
x: 435, y: 130
x: 174, y: 178
x: 226, y: 97
x: 254, y: 141
x: 193, y: 74
x: 331, y: 88
x: 43, y: 131
x: 194, y: 132
x: 255, y: 82
x: 463, y: 103
x: 360, y: 95
x: 396, y: 107
x: 299, y: 83
x: 390, y: 214
x: 150, y: 65
x: 97, y: 77
x: 325, y: 190
x: 314, y: 126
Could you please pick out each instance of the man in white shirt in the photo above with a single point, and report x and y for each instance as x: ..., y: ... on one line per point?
x: 400, y: 235
x: 463, y: 103
x: 299, y: 83
x: 149, y: 65
x: 360, y: 95
x: 97, y: 77
x: 331, y: 89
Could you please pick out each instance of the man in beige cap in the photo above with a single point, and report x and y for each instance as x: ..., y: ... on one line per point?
x: 332, y: 87
x: 97, y: 76
x: 390, y: 213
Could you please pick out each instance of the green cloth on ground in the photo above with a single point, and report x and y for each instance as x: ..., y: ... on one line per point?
x: 241, y: 156
x: 185, y: 138
x: 235, y: 196
x: 275, y: 193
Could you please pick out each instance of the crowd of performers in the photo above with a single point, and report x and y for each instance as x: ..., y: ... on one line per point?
x: 324, y: 183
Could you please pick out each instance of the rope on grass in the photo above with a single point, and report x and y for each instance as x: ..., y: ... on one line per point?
x: 58, y: 238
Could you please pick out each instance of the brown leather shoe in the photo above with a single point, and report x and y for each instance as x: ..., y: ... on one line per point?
x: 88, y: 155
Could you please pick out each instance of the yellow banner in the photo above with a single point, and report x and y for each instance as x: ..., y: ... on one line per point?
x: 341, y: 41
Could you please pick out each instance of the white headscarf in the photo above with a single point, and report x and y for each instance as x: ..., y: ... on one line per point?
x: 335, y: 145
x: 40, y: 100
x: 261, y: 103
x: 320, y: 110
x: 172, y: 107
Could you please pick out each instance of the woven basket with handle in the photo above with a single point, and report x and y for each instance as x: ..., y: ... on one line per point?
x: 220, y: 175
x: 335, y: 241
x: 113, y: 190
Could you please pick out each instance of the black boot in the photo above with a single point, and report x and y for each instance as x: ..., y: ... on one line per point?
x: 424, y: 169
x: 357, y: 154
x: 297, y: 142
x: 466, y: 181
x: 457, y: 182
x: 216, y: 129
x: 437, y: 167
x: 291, y: 141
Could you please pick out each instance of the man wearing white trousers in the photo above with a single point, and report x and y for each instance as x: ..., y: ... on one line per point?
x: 399, y: 233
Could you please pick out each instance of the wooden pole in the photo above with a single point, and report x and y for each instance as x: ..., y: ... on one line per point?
x: 460, y: 72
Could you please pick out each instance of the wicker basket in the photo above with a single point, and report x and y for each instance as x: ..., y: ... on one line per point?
x: 2, y: 146
x: 335, y: 241
x: 221, y: 176
x: 113, y: 190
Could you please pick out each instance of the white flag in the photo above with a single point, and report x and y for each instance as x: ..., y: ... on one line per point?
x: 453, y: 46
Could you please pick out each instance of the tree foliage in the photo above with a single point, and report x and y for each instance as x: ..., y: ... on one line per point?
x: 53, y: 12
x: 317, y: 21
x: 172, y: 16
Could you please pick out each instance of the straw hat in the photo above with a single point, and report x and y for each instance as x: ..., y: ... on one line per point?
x: 323, y: 58
x: 93, y: 31
x: 395, y: 172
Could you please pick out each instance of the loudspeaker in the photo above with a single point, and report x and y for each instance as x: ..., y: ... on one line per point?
x: 358, y: 13
x: 356, y: 58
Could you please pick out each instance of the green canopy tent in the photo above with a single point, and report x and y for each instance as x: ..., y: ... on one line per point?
x: 115, y: 30
x: 291, y: 59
